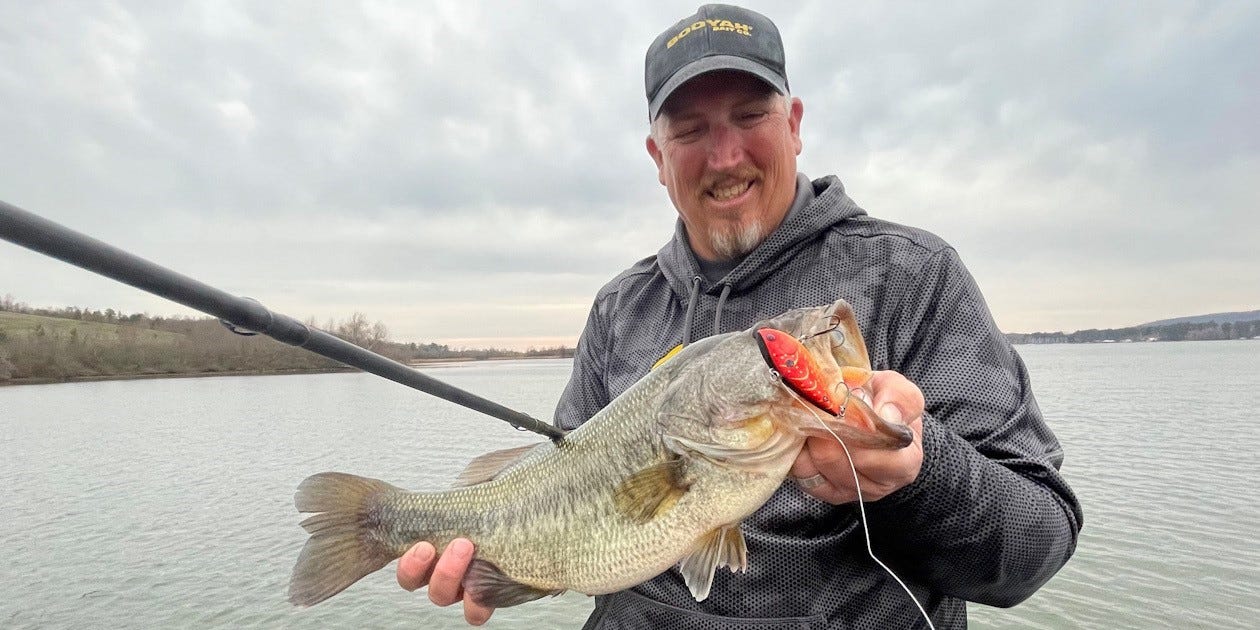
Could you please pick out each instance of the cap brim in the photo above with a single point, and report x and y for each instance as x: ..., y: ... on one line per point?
x: 710, y: 64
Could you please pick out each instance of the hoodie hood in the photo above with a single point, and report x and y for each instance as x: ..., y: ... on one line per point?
x: 802, y: 225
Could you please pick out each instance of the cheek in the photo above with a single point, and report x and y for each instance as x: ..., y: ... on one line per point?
x: 682, y: 168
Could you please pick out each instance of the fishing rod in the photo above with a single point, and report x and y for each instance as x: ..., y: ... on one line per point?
x: 240, y: 314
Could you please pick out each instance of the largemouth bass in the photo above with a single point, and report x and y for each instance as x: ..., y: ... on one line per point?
x: 662, y: 476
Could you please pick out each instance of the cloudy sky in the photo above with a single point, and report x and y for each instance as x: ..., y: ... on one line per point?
x: 472, y: 172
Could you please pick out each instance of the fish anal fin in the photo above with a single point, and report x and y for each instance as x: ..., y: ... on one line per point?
x: 652, y: 491
x: 485, y: 584
x: 485, y: 467
x: 722, y: 547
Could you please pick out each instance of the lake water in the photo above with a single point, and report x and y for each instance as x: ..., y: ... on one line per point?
x: 168, y: 503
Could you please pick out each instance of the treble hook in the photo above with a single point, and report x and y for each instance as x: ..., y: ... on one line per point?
x: 833, y: 324
x: 844, y: 404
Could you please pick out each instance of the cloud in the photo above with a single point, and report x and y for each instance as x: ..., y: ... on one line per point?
x: 465, y: 170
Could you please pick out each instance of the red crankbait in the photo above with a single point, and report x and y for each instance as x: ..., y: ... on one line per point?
x: 796, y: 366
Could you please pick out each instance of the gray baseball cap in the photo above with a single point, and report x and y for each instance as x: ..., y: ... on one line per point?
x: 717, y: 37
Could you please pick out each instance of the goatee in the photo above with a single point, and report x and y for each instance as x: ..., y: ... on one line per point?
x: 735, y: 243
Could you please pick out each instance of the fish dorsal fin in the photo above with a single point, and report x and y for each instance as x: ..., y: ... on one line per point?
x: 485, y: 467
x: 680, y: 356
x: 667, y: 356
x: 652, y: 491
x: 722, y: 547
x: 489, y: 586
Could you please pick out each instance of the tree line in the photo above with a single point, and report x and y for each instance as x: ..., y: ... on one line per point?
x: 1183, y: 331
x: 72, y: 342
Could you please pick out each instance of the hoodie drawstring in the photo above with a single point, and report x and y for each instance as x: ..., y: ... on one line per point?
x: 691, y: 310
x: 717, y: 313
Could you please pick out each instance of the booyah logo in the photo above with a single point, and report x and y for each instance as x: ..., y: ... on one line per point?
x: 716, y: 25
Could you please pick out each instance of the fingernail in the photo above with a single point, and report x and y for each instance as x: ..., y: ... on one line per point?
x: 890, y: 413
x: 460, y: 548
x: 423, y: 553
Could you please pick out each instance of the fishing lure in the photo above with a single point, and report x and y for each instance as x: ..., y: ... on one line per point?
x: 796, y: 366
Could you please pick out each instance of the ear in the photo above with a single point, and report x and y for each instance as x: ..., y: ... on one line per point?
x: 655, y: 151
x: 794, y: 122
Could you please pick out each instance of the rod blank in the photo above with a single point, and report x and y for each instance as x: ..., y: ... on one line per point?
x: 53, y: 239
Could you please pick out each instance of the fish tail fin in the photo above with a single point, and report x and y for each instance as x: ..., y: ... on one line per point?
x: 346, y: 542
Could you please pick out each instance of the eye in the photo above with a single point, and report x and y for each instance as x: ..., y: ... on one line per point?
x: 686, y: 134
x: 752, y: 117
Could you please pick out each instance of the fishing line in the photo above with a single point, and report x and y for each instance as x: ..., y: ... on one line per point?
x: 857, y: 485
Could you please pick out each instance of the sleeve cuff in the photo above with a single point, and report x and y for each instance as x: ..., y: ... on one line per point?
x: 934, y: 436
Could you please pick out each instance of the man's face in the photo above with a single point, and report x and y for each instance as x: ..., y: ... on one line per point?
x: 726, y: 148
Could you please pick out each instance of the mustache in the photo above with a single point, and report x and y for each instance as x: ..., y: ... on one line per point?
x: 734, y: 175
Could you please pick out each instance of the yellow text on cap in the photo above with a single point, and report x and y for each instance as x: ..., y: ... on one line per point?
x: 717, y: 25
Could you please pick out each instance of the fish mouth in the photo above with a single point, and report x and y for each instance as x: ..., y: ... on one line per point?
x: 832, y: 337
x: 858, y: 423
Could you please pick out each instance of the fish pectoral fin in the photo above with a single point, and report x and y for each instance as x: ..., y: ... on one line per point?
x: 652, y: 491
x: 489, y: 586
x: 722, y: 547
x: 485, y: 467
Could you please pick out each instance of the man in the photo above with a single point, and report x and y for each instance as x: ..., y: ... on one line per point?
x: 973, y: 510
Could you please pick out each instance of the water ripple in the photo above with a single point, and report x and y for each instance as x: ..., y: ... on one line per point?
x: 168, y: 503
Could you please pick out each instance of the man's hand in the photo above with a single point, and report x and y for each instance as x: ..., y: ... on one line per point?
x: 881, y: 471
x: 444, y: 575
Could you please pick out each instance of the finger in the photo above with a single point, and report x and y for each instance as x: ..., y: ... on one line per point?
x: 888, y: 387
x: 804, y: 465
x: 446, y: 585
x: 476, y: 614
x: 835, y: 495
x: 415, y: 565
x: 874, y: 469
x: 823, y: 456
x: 834, y: 489
x: 826, y: 455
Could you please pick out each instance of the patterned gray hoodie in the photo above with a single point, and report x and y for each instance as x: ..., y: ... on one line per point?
x: 989, y: 518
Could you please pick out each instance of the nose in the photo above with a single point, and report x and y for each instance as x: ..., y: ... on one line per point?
x: 726, y: 147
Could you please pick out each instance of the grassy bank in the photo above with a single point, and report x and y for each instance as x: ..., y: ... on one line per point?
x: 36, y: 348
x: 129, y: 377
x: 73, y: 344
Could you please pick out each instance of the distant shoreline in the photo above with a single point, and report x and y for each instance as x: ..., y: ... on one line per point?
x: 1109, y: 341
x: 136, y: 377
x: 279, y: 372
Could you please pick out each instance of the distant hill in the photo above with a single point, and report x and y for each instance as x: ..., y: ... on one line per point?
x: 1220, y: 318
x: 1240, y: 325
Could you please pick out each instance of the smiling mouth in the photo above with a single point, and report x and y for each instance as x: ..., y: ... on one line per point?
x: 730, y: 192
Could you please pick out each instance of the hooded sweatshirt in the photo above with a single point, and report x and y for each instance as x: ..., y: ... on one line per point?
x: 989, y: 518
